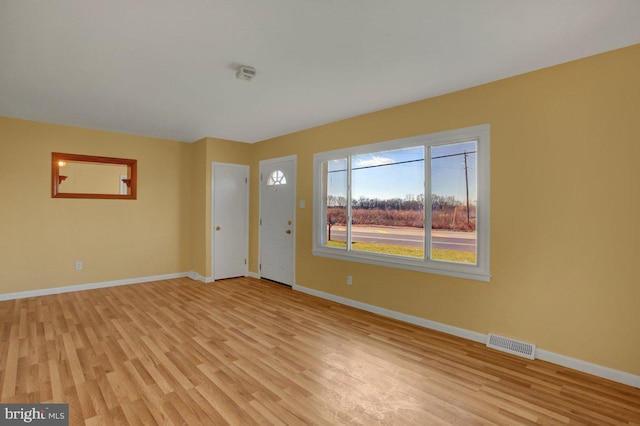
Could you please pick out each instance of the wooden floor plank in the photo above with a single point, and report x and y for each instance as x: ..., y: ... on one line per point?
x: 247, y: 351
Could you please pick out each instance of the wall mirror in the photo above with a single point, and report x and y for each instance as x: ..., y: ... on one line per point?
x: 88, y: 176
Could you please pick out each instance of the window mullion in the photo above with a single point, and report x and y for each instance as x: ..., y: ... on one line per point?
x: 349, y: 220
x: 428, y: 200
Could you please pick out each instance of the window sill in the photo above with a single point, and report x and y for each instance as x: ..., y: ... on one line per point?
x: 430, y: 267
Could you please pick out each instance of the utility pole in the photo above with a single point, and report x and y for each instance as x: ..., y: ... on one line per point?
x: 466, y: 178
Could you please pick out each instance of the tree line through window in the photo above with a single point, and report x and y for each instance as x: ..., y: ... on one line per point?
x: 375, y: 202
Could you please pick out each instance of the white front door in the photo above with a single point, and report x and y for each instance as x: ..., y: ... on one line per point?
x: 230, y: 220
x: 277, y: 219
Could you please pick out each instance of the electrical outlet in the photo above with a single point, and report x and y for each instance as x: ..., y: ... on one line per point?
x: 349, y: 280
x: 78, y: 266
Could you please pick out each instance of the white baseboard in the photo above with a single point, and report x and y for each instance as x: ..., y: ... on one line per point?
x: 544, y: 355
x: 438, y: 326
x: 589, y: 368
x: 70, y: 288
x: 565, y: 361
x: 197, y: 277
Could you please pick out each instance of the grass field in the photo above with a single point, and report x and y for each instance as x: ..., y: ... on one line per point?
x: 417, y: 252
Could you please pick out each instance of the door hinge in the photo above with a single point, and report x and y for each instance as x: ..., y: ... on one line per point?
x: 260, y: 222
x: 260, y: 267
x: 246, y: 180
x: 245, y: 261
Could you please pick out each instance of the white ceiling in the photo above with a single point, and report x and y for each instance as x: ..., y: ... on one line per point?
x: 166, y: 68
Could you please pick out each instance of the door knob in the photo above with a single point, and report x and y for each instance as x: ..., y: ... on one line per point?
x: 288, y: 231
x: 217, y: 228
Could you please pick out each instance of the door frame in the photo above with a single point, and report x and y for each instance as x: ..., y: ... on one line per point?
x: 213, y: 218
x: 262, y: 164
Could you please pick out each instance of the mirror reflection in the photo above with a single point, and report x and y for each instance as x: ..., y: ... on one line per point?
x: 82, y: 176
x: 96, y: 178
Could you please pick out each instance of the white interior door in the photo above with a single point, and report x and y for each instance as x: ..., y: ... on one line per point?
x: 230, y: 220
x: 277, y: 219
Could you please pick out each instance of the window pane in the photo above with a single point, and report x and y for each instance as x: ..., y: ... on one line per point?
x: 277, y: 177
x: 453, y: 202
x: 335, y: 178
x: 387, y: 202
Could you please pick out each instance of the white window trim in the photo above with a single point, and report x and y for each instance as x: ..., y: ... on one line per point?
x: 479, y: 271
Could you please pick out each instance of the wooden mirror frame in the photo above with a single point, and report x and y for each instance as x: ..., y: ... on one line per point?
x: 57, y: 178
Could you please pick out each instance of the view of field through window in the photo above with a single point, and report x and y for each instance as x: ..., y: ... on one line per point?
x: 388, y: 202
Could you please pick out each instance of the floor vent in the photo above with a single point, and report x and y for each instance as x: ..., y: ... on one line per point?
x: 526, y: 350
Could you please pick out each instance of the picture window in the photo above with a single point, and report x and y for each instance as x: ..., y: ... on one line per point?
x: 420, y: 203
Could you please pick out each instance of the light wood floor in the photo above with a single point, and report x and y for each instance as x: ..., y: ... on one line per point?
x: 245, y: 351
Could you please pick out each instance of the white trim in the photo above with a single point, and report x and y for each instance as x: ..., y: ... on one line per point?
x: 123, y: 186
x: 589, y: 368
x: 197, y: 277
x: 433, y: 325
x: 544, y: 355
x: 380, y: 259
x: 480, y: 271
x: 92, y: 286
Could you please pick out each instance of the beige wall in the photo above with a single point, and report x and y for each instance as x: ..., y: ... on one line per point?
x: 42, y: 237
x: 166, y: 230
x: 205, y: 152
x: 199, y: 208
x: 564, y: 161
x: 92, y: 178
x: 564, y: 196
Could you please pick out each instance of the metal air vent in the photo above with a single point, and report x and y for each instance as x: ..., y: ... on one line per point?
x: 515, y: 347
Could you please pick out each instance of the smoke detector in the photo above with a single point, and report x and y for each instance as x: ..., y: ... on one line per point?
x: 245, y: 72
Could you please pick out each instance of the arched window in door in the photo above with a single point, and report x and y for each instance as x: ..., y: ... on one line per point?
x: 277, y: 177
